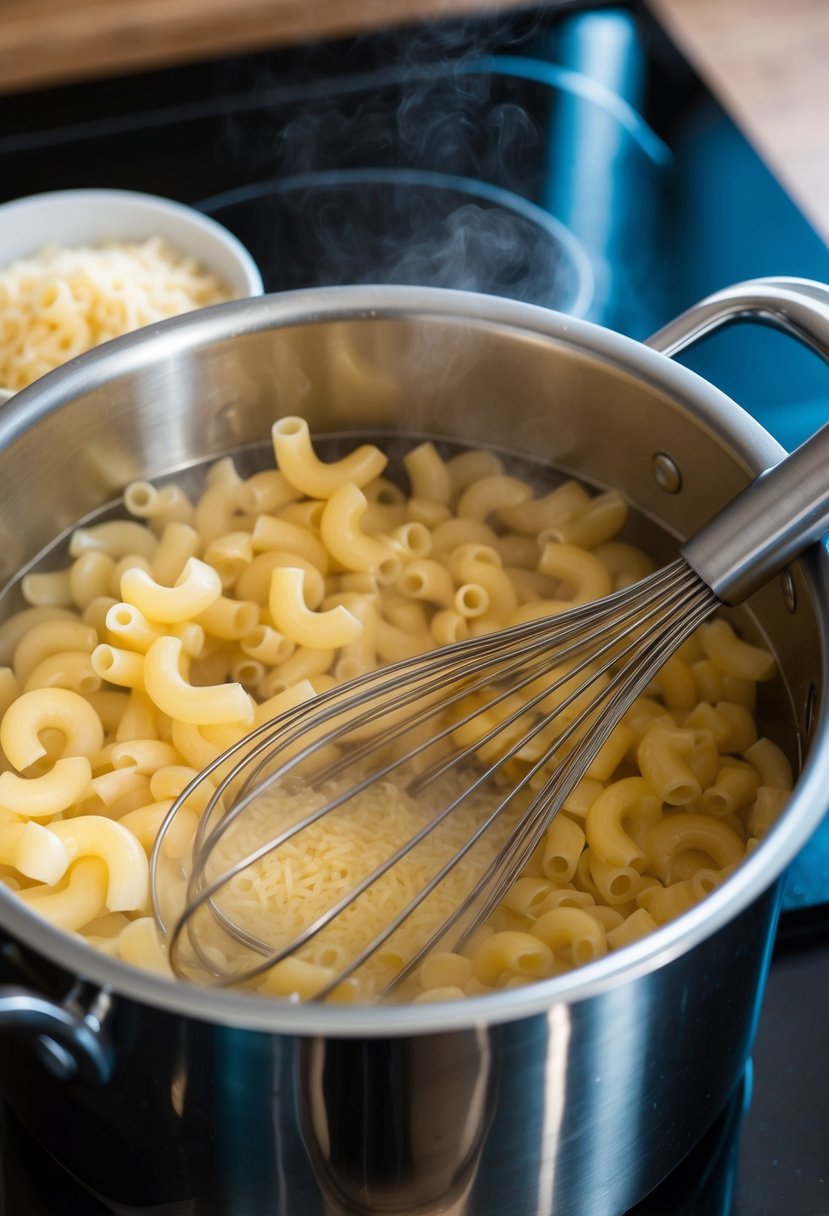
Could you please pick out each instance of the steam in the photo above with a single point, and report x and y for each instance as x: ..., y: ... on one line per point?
x: 420, y: 170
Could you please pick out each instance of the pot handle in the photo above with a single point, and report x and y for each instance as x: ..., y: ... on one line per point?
x: 799, y: 307
x: 70, y: 1038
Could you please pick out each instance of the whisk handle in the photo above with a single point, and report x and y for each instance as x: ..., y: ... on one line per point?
x: 787, y: 507
x: 780, y: 514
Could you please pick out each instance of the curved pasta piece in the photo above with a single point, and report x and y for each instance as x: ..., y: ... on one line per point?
x: 143, y: 755
x: 33, y: 851
x: 450, y: 992
x: 218, y: 511
x: 412, y: 538
x: 734, y: 656
x: 677, y: 686
x: 691, y: 830
x: 471, y: 601
x: 770, y: 761
x: 138, y: 718
x: 480, y: 565
x: 448, y: 626
x: 266, y: 492
x: 664, y: 903
x: 49, y: 709
x: 536, y: 514
x: 663, y: 759
x: 603, y: 518
x: 167, y: 783
x: 67, y: 669
x: 121, y: 789
x: 444, y: 969
x: 348, y: 543
x: 15, y: 627
x: 37, y: 798
x: 255, y: 581
x: 580, y: 570
x: 616, y: 884
x: 492, y: 494
x: 229, y: 555
x: 267, y: 646
x: 466, y: 467
x: 128, y: 871
x: 145, y: 821
x: 299, y: 462
x: 193, y: 746
x: 766, y: 808
x: 49, y: 638
x: 198, y: 586
x: 525, y: 896
x: 604, y: 823
x: 205, y: 705
x: 122, y: 667
x: 637, y: 925
x: 319, y: 630
x: 286, y: 535
x: 428, y: 474
x: 574, y: 928
x: 735, y: 787
x: 294, y: 977
x: 179, y: 542
x: 115, y: 537
x: 563, y: 845
x: 66, y: 783
x: 47, y: 588
x: 129, y: 627
x: 76, y: 900
x: 509, y: 950
x: 229, y: 619
x: 139, y: 943
x: 450, y: 533
x: 165, y: 503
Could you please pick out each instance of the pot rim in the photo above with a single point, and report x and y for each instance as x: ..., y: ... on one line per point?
x: 757, y: 450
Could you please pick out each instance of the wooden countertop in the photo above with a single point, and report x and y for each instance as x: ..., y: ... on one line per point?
x: 767, y: 60
x: 45, y: 42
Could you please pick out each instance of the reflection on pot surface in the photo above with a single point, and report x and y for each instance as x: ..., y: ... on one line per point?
x: 392, y: 1127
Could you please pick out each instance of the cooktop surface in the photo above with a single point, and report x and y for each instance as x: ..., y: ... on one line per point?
x: 568, y: 156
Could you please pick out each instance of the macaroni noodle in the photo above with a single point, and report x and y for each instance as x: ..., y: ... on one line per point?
x: 172, y: 634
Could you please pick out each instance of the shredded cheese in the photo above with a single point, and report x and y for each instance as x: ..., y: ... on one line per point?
x: 61, y: 302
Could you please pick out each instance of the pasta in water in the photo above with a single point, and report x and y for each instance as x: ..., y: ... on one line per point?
x: 60, y: 302
x: 171, y: 634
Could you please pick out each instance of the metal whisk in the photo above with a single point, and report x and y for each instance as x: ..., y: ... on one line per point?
x: 500, y: 728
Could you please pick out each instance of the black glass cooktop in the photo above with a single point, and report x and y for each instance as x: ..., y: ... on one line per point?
x: 592, y: 172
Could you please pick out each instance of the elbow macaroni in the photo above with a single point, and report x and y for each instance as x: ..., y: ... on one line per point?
x: 267, y: 590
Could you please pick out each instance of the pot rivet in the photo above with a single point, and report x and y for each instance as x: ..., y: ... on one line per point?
x: 789, y: 593
x: 665, y: 472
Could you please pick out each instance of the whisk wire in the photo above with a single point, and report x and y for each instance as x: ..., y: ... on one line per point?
x: 614, y: 701
x: 628, y: 683
x: 599, y: 657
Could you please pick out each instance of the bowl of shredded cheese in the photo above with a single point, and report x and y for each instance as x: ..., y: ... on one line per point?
x: 78, y: 267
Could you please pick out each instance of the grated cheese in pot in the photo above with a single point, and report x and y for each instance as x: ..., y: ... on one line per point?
x: 282, y: 894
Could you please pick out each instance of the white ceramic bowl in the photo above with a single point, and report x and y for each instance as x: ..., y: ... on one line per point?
x: 67, y: 218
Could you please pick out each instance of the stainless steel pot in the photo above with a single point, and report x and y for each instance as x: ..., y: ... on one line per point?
x: 573, y: 1096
